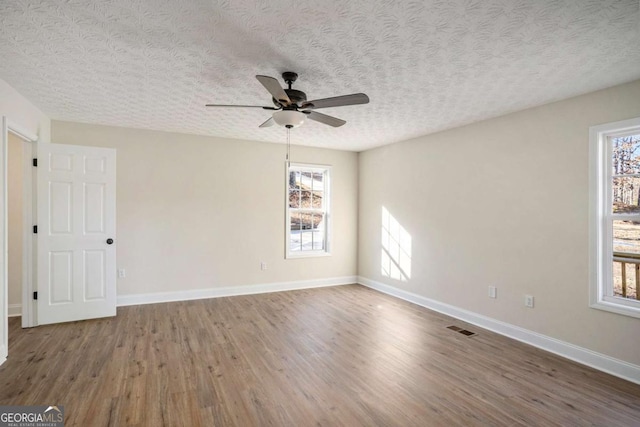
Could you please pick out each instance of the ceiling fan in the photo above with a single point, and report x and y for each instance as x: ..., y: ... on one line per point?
x: 291, y: 105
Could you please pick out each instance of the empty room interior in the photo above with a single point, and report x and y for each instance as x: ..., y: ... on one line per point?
x: 291, y: 213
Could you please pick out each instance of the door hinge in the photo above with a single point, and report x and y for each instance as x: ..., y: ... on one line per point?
x: 35, y: 229
x: 35, y: 295
x: 35, y: 162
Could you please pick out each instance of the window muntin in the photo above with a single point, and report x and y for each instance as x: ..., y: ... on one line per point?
x: 307, y: 210
x: 615, y: 156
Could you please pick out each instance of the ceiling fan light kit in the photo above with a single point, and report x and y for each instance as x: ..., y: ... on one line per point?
x: 292, y: 107
x: 289, y: 118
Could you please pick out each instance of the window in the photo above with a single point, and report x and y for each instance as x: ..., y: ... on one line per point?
x: 615, y: 217
x: 308, y: 214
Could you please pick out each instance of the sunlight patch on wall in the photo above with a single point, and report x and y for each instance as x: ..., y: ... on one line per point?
x: 395, y: 258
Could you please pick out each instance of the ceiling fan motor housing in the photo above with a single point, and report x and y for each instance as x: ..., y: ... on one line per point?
x: 296, y: 96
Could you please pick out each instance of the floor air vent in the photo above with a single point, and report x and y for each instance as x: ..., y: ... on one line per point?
x: 462, y: 331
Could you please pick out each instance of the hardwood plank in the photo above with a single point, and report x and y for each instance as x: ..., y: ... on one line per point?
x: 346, y: 356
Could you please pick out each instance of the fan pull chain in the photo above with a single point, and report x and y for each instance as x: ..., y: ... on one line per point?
x: 288, y: 146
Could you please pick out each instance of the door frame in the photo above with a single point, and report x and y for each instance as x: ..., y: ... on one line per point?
x: 29, y: 241
x: 28, y: 312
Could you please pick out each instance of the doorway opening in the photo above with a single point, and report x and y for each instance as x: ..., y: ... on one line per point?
x: 15, y: 223
x: 20, y: 240
x: 21, y: 257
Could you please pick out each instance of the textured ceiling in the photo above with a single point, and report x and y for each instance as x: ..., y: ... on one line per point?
x: 427, y: 65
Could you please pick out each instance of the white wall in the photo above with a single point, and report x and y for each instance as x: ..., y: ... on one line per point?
x: 23, y: 113
x: 196, y: 212
x: 503, y: 202
x: 14, y: 216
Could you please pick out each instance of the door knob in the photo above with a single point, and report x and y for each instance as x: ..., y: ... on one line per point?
x: 109, y: 241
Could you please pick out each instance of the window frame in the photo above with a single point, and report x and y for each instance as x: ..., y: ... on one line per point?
x: 326, y: 170
x: 601, y: 218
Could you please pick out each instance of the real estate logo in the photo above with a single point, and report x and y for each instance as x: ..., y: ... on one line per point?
x: 32, y: 416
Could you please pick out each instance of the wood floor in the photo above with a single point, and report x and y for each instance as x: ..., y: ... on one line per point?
x: 341, y: 356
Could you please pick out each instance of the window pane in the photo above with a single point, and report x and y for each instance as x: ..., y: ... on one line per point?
x: 306, y: 238
x: 629, y: 280
x: 625, y: 152
x: 306, y: 221
x: 624, y: 193
x: 626, y: 237
x: 294, y: 242
x: 304, y: 184
x: 294, y: 235
x: 318, y: 232
x: 317, y: 199
x: 305, y: 201
x: 295, y: 221
x: 318, y: 240
x: 294, y: 178
x: 305, y: 179
x: 294, y: 199
x: 317, y: 181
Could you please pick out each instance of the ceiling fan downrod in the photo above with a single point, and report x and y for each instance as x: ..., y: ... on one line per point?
x: 289, y: 77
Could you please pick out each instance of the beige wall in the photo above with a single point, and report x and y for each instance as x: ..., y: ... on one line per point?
x: 197, y: 212
x: 503, y: 202
x: 14, y: 217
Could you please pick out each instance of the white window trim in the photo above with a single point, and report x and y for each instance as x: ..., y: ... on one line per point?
x: 328, y: 220
x: 600, y: 248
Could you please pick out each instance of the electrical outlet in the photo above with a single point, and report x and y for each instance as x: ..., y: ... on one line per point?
x: 528, y: 301
x: 263, y: 265
x: 493, y: 292
x: 122, y: 273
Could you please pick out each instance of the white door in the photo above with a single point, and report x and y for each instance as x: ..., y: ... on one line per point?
x: 76, y: 219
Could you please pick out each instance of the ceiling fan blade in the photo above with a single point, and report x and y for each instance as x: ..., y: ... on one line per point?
x: 242, y: 106
x: 269, y: 122
x: 337, y: 101
x: 274, y: 88
x: 323, y: 118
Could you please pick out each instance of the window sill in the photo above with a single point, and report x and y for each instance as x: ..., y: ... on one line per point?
x: 617, y: 308
x: 309, y: 254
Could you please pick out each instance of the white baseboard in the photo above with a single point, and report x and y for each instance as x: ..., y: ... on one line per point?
x: 610, y: 365
x: 159, y: 297
x: 15, y: 310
